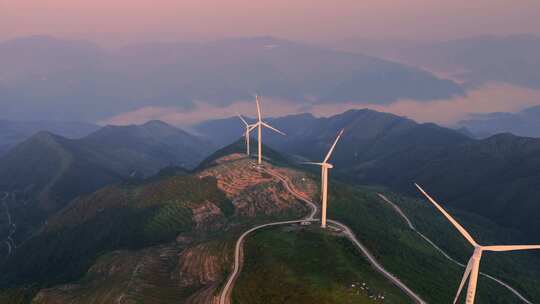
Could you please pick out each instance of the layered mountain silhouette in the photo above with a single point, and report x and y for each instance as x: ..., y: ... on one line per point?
x: 15, y: 132
x: 47, y: 171
x: 43, y: 75
x: 493, y: 177
x: 512, y: 59
x: 58, y: 169
x: 523, y: 123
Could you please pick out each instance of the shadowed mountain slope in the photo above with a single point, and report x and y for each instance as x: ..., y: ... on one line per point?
x: 15, y: 132
x: 153, y: 240
x: 47, y: 171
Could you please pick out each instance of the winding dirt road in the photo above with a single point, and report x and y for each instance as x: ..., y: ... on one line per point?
x: 448, y: 257
x: 225, y: 296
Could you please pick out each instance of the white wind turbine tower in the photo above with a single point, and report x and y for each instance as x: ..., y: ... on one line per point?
x: 473, y: 267
x: 259, y: 124
x: 249, y: 128
x: 324, y: 179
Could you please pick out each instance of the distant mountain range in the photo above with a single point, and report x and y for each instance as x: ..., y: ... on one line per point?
x: 513, y: 59
x: 523, y: 123
x: 492, y: 177
x: 65, y: 167
x: 50, y: 170
x: 44, y: 76
x: 14, y: 132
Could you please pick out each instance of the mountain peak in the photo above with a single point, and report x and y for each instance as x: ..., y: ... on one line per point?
x: 369, y: 113
x: 45, y: 136
x: 158, y: 124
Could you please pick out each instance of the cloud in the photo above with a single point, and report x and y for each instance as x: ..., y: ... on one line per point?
x: 202, y: 111
x: 492, y: 97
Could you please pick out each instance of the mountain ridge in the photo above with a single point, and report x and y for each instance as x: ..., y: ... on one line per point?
x: 385, y: 149
x: 47, y: 171
x: 523, y: 123
x: 15, y: 132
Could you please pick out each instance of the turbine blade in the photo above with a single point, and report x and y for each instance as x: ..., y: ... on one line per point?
x: 510, y: 247
x: 463, y: 280
x: 258, y: 108
x: 272, y: 128
x: 312, y: 163
x: 333, y: 146
x: 251, y: 127
x: 449, y: 217
x: 243, y: 120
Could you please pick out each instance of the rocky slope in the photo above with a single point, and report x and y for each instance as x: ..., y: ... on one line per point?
x: 252, y: 191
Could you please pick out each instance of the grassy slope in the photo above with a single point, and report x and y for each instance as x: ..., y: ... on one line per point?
x: 520, y: 269
x: 410, y: 258
x: 118, y: 217
x: 307, y: 266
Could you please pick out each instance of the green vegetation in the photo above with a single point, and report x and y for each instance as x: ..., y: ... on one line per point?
x: 48, y: 171
x: 15, y: 296
x: 520, y: 269
x: 130, y: 217
x: 168, y: 221
x: 290, y: 265
x: 119, y: 217
x: 281, y: 265
x: 412, y: 259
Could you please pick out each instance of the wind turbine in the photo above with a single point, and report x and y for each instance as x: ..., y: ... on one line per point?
x: 260, y: 124
x: 473, y: 267
x: 249, y: 128
x: 324, y: 179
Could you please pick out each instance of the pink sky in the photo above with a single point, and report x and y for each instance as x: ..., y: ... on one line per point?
x: 122, y: 21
